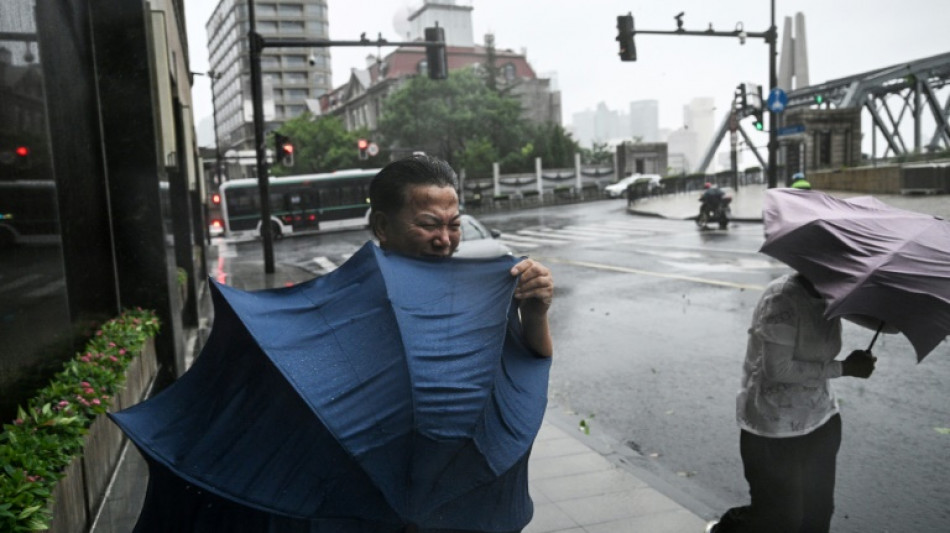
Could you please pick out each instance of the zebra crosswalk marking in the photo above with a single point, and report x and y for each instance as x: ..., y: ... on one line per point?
x: 325, y: 263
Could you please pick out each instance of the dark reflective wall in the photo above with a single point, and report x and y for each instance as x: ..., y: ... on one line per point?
x: 89, y: 223
x: 35, y: 325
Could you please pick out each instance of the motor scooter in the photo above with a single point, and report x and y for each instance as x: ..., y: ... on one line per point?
x: 715, y: 211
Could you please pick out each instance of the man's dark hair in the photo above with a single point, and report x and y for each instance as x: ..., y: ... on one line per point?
x: 388, y: 190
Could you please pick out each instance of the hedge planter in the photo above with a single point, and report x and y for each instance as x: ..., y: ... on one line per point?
x: 59, y: 454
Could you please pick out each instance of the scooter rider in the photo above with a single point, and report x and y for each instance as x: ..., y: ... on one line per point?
x: 710, y: 198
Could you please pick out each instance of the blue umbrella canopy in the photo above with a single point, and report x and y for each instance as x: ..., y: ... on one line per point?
x: 392, y: 391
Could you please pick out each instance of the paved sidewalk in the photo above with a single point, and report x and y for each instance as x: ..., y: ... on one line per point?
x: 582, y: 483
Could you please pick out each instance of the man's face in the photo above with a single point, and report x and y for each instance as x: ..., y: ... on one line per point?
x: 426, y: 226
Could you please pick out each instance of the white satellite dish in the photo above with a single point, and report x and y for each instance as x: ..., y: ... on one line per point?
x: 401, y: 21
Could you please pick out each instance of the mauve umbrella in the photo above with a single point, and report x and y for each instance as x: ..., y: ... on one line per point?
x: 392, y: 392
x: 867, y: 259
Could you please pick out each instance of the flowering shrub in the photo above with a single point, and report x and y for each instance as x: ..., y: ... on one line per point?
x: 48, y: 433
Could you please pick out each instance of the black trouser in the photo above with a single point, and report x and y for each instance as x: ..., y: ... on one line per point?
x: 791, y: 482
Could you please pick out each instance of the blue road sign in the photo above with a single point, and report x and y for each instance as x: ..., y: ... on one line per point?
x: 777, y: 100
x: 791, y: 130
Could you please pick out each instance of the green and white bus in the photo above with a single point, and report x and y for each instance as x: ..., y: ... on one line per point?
x: 307, y: 202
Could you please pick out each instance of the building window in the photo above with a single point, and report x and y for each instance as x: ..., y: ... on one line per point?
x: 295, y: 94
x: 268, y: 26
x: 291, y: 26
x: 266, y: 10
x: 295, y: 78
x: 290, y: 10
x: 295, y: 61
x: 316, y: 10
x: 291, y: 111
x: 509, y: 72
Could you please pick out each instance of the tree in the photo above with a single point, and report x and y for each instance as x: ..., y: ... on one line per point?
x: 322, y: 145
x: 597, y: 154
x: 465, y: 122
x: 443, y: 117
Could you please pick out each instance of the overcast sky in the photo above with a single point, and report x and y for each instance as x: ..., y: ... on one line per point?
x: 574, y: 41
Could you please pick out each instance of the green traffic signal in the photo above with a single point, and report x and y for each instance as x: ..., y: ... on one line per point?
x: 759, y: 126
x: 819, y: 99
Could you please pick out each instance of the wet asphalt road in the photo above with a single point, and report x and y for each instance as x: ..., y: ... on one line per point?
x: 650, y: 321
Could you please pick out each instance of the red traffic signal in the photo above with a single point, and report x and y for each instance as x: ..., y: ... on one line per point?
x: 363, y: 144
x: 216, y: 198
x: 285, y: 149
x: 22, y: 151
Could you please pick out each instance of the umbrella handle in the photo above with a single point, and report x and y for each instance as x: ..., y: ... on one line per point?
x: 876, y: 333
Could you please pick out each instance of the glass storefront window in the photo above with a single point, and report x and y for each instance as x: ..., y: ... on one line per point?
x: 35, y: 329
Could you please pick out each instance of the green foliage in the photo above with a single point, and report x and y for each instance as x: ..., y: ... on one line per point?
x: 322, y: 145
x: 48, y: 433
x: 471, y: 126
x: 597, y: 154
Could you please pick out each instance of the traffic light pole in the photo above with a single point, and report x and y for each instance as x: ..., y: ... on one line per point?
x: 770, y: 37
x: 257, y: 46
x: 257, y: 95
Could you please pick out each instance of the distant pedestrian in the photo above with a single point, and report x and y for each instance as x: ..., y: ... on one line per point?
x: 790, y: 428
x: 799, y: 181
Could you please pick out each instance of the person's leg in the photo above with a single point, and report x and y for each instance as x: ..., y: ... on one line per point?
x: 774, y: 477
x: 819, y: 477
x: 770, y: 467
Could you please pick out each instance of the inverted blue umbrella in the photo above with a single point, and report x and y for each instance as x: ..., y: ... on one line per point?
x: 392, y: 392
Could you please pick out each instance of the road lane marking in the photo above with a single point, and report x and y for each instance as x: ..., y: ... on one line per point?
x: 667, y: 275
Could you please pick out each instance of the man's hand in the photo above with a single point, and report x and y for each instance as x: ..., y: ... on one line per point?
x: 535, y: 291
x: 535, y: 284
x: 859, y: 364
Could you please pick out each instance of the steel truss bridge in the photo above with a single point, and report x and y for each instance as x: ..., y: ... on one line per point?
x: 891, y: 96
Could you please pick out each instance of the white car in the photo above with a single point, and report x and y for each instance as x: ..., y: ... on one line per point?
x: 478, y: 242
x: 619, y: 189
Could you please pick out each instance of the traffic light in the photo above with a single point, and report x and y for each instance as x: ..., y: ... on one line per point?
x: 757, y: 112
x: 743, y: 99
x: 284, y: 149
x: 363, y: 144
x: 435, y: 55
x: 628, y: 52
x: 819, y: 99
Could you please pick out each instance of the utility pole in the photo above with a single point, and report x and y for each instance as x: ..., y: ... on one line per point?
x: 626, y: 31
x: 773, y: 82
x: 438, y: 69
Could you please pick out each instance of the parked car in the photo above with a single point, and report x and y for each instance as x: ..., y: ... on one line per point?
x: 479, y: 242
x: 619, y: 189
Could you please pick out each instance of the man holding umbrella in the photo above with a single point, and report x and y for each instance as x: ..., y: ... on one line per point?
x: 415, y: 212
x: 787, y: 411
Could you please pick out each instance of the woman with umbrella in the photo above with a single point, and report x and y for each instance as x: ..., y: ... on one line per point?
x: 787, y: 411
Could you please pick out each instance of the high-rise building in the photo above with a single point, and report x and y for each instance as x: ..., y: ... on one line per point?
x: 293, y: 78
x: 645, y: 120
x: 699, y: 119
